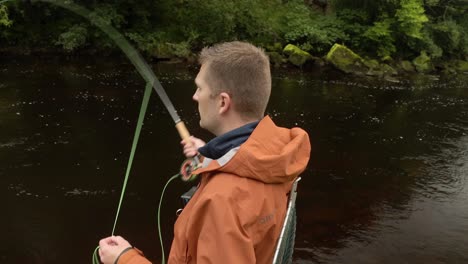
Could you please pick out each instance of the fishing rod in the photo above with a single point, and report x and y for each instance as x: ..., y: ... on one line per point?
x: 189, y: 165
x: 142, y: 67
x: 133, y: 55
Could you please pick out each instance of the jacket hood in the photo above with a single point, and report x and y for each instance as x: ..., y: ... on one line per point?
x: 272, y: 154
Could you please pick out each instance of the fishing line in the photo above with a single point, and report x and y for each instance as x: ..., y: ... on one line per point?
x: 151, y: 82
x: 163, y: 261
x: 95, y: 259
x: 141, y: 118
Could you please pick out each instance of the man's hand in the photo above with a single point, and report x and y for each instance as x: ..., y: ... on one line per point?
x: 191, y: 146
x: 111, y: 247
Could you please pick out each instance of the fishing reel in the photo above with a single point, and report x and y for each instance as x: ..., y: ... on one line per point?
x: 191, y: 164
x: 187, y: 168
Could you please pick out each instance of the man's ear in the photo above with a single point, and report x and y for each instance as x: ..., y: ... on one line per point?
x: 224, y: 102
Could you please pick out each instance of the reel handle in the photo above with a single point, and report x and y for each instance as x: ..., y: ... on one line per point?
x: 187, y: 168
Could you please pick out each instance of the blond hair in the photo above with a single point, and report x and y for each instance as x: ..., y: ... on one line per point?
x: 241, y: 70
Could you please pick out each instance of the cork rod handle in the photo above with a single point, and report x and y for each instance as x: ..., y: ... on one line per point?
x: 183, y: 132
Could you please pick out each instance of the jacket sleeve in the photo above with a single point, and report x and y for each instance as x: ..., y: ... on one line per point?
x: 133, y: 256
x: 221, y: 234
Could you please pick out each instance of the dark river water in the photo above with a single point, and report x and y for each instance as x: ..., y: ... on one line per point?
x: 387, y: 181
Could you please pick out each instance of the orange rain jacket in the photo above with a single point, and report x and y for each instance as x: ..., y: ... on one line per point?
x: 236, y: 215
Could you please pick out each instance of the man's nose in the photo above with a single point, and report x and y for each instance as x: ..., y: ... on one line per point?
x: 195, y: 97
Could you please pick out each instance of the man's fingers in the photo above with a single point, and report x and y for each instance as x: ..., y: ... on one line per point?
x: 103, y: 242
x: 100, y: 252
x: 188, y: 141
x: 198, y: 143
x: 190, y: 153
x: 119, y: 240
x: 112, y: 240
x: 191, y: 145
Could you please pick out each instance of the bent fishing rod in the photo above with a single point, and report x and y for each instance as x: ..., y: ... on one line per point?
x: 189, y: 165
x: 133, y: 55
x: 147, y: 74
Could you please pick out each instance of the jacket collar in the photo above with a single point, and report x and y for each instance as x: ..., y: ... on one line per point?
x: 219, y: 146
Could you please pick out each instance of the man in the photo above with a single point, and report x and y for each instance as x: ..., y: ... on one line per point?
x: 237, y: 212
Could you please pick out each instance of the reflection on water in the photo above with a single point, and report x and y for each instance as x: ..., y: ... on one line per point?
x: 387, y: 182
x: 428, y: 228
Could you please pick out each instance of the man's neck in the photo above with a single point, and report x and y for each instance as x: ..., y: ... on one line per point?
x: 232, y: 123
x: 220, y: 145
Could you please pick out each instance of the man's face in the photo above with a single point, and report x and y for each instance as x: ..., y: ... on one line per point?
x: 207, y: 106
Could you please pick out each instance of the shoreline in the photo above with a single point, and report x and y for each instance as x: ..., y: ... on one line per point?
x: 316, y: 64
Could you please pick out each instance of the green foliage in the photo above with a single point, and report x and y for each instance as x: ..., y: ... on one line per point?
x: 311, y: 31
x: 202, y: 23
x: 168, y: 28
x: 428, y: 45
x: 197, y: 18
x: 449, y: 35
x: 74, y: 38
x: 145, y: 43
x: 155, y: 44
x: 464, y: 40
x: 108, y: 14
x: 380, y: 35
x: 431, y: 3
x: 4, y: 20
x: 354, y: 24
x: 411, y: 18
x: 199, y: 23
